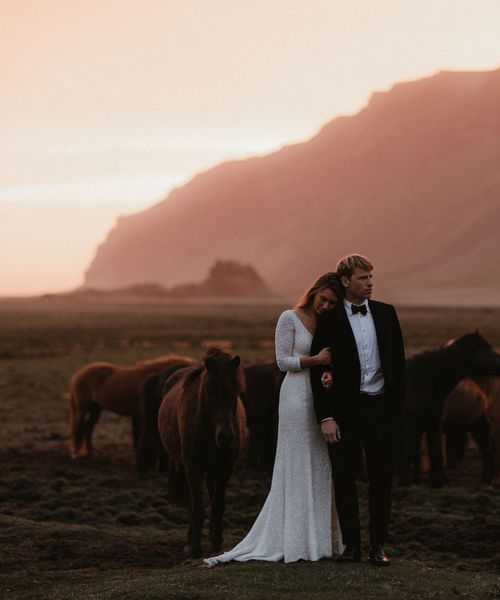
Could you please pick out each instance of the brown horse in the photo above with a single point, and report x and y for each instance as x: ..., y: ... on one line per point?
x: 466, y: 411
x: 113, y: 387
x: 493, y: 413
x: 474, y: 407
x: 201, y: 422
x: 260, y: 399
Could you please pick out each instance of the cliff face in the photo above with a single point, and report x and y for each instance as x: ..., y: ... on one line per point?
x: 412, y: 181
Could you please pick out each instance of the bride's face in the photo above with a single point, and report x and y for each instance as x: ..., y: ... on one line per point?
x: 324, y: 300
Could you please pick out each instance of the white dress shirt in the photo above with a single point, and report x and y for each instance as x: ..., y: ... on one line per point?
x: 363, y: 328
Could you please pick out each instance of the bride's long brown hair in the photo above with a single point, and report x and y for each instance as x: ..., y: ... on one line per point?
x: 328, y: 280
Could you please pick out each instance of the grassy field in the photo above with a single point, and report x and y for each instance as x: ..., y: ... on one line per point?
x: 96, y: 530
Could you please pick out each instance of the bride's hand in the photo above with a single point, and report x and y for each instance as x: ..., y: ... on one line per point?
x: 324, y: 357
x: 327, y: 380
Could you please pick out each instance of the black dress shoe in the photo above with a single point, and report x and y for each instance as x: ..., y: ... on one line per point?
x: 378, y: 556
x: 350, y: 554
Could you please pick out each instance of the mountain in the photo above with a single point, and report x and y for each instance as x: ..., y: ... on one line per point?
x: 412, y: 181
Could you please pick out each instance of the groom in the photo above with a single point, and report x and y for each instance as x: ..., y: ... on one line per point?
x: 361, y: 408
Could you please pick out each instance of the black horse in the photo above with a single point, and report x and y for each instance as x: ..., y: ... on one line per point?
x: 261, y: 396
x: 150, y: 453
x: 430, y: 377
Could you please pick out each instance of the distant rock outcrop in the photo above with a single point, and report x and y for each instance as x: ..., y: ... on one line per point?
x: 412, y: 181
x: 226, y: 279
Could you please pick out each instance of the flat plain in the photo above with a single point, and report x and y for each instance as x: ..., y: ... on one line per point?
x: 94, y: 529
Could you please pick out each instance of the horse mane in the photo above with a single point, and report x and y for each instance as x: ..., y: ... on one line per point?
x: 450, y: 347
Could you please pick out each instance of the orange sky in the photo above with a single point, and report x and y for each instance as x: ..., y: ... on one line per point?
x: 106, y: 105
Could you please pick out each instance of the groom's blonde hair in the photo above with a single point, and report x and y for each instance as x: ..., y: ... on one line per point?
x: 347, y: 265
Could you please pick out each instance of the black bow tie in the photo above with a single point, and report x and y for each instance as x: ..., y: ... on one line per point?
x: 359, y: 309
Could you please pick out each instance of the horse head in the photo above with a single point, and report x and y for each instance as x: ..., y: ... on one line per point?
x: 223, y: 384
x: 483, y: 360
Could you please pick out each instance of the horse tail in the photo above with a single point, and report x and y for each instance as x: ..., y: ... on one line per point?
x: 241, y: 430
x: 150, y: 447
x: 76, y: 422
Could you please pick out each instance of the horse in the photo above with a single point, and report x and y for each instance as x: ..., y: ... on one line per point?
x: 260, y: 398
x: 103, y: 385
x: 430, y: 377
x: 201, y: 422
x: 493, y: 413
x: 150, y: 452
x: 466, y: 411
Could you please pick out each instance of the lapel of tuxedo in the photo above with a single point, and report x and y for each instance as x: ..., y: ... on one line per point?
x: 346, y: 331
x: 379, y: 322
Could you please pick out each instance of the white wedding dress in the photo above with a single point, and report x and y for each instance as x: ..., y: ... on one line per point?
x: 298, y: 519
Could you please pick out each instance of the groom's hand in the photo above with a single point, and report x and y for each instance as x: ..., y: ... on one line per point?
x: 330, y: 431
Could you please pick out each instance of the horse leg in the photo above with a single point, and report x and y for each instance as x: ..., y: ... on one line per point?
x: 92, y: 417
x: 150, y: 449
x: 77, y: 416
x: 435, y: 451
x: 456, y: 441
x: 482, y: 435
x: 409, y: 448
x: 136, y: 431
x: 194, y: 477
x: 76, y: 433
x: 211, y: 492
x: 416, y: 458
x: 218, y: 503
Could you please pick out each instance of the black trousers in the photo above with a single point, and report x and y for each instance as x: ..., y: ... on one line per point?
x: 372, y: 426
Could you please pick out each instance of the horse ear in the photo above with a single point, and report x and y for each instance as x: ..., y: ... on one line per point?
x: 210, y: 363
x: 236, y: 361
x: 477, y: 331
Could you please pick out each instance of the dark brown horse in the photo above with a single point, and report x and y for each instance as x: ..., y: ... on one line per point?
x: 473, y: 407
x: 150, y: 452
x: 261, y: 398
x: 101, y: 385
x: 466, y: 411
x: 201, y: 422
x: 430, y: 377
x: 493, y: 413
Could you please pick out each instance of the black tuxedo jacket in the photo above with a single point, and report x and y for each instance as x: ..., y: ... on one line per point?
x: 334, y: 331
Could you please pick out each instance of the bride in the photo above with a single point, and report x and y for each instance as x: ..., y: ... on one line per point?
x: 298, y: 519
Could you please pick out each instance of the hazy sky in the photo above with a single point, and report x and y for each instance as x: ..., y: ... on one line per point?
x: 106, y: 105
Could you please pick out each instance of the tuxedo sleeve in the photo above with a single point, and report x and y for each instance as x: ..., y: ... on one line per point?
x: 322, y: 397
x: 398, y: 359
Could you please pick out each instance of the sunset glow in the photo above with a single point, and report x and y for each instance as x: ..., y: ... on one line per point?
x: 106, y: 106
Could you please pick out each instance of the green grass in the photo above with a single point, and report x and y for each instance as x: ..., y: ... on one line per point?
x: 258, y: 581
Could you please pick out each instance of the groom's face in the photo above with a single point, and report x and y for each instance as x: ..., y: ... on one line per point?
x: 359, y: 286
